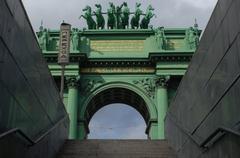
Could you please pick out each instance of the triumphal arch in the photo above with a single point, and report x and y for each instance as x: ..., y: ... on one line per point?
x: 120, y: 58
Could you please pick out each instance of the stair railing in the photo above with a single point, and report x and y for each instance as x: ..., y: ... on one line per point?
x: 211, y: 139
x: 27, y: 138
x: 222, y: 131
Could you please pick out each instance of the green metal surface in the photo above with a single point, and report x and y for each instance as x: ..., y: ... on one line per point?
x: 122, y: 66
x: 162, y: 105
x: 72, y: 107
x: 82, y: 131
x: 153, y: 131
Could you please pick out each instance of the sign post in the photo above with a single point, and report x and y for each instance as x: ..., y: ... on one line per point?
x: 64, y: 51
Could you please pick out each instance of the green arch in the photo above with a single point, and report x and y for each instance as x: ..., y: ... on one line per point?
x: 148, y: 102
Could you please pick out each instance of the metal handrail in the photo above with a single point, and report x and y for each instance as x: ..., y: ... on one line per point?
x: 30, y: 140
x: 210, y: 137
x: 217, y: 131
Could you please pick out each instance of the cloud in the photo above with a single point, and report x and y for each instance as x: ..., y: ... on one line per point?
x: 171, y: 13
x: 117, y: 121
x: 136, y: 132
x: 200, y: 3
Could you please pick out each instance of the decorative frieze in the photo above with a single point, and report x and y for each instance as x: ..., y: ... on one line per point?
x: 148, y: 84
x: 89, y: 85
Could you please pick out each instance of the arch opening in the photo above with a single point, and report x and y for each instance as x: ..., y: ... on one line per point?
x: 117, y: 121
x: 117, y: 95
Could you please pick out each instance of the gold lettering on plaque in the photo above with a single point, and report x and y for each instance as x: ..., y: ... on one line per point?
x: 118, y: 70
x: 117, y: 45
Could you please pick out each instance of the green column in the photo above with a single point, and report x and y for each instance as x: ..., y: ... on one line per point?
x: 72, y: 107
x: 153, y: 130
x: 82, y: 130
x: 162, y: 104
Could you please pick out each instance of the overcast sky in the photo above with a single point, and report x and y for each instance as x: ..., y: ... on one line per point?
x: 118, y: 120
x: 170, y: 13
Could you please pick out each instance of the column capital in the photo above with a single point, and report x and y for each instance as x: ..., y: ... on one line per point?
x: 161, y: 81
x: 72, y: 81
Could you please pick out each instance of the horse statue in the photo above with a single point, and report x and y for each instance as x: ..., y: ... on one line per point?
x: 111, y: 16
x: 118, y: 17
x: 88, y: 16
x: 99, y: 16
x: 125, y: 15
x: 146, y: 20
x: 135, y: 19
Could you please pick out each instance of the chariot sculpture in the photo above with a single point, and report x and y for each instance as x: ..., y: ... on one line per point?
x: 118, y: 17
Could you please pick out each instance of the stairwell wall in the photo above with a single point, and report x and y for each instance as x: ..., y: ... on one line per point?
x: 208, y: 96
x: 29, y: 99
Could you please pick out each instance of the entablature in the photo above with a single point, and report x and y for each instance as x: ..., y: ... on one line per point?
x: 152, y: 59
x: 122, y: 42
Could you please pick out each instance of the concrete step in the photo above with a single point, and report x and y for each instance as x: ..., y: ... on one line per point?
x: 116, y: 149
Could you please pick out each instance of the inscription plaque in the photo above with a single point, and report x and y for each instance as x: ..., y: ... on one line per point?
x: 117, y: 45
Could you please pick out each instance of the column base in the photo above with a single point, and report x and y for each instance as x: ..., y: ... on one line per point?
x: 152, y: 130
x: 82, y: 130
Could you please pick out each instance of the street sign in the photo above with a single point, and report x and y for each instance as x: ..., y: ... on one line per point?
x: 64, y: 44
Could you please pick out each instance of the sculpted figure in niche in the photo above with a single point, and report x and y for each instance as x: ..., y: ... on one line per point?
x: 196, y: 32
x: 99, y: 16
x: 192, y: 37
x: 75, y: 39
x: 136, y: 17
x: 160, y: 38
x: 88, y: 16
x: 43, y: 39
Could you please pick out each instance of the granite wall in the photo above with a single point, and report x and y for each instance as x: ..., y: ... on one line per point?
x: 208, y: 96
x: 29, y: 99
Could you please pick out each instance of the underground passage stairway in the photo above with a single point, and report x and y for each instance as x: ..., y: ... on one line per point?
x: 33, y: 119
x: 116, y: 149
